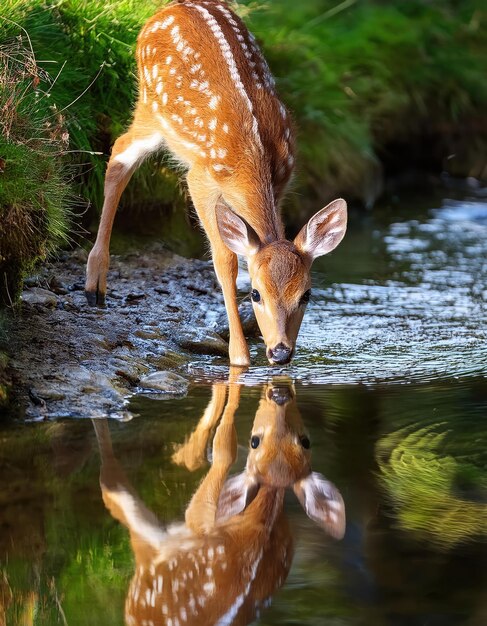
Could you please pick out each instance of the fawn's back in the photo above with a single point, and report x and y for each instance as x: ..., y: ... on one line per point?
x: 204, y: 79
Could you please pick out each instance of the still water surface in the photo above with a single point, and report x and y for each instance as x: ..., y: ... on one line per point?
x: 388, y: 386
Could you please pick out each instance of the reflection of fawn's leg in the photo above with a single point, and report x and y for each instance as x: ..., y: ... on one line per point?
x: 201, y: 512
x: 120, y: 497
x: 192, y: 452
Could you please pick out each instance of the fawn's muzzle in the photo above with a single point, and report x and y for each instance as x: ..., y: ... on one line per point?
x: 280, y: 355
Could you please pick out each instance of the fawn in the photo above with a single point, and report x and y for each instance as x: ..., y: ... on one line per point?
x: 207, y: 95
x: 235, y: 548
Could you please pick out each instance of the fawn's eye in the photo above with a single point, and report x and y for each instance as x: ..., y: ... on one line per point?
x: 305, y: 297
x: 254, y: 442
x: 255, y: 295
x: 305, y: 442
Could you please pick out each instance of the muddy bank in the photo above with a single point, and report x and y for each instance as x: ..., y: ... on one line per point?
x: 67, y: 359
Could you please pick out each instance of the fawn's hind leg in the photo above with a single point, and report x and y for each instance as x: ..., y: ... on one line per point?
x: 128, y: 152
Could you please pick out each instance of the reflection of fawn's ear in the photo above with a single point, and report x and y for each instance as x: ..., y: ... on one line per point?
x: 237, y: 493
x: 322, y: 502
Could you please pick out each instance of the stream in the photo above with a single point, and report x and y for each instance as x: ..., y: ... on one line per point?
x: 388, y: 387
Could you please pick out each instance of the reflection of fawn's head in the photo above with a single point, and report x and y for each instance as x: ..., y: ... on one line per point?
x: 235, y: 548
x: 279, y: 457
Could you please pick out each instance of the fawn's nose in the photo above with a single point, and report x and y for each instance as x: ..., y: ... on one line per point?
x: 279, y: 355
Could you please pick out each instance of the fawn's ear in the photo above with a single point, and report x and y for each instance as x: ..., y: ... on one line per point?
x: 324, y: 231
x: 237, y: 235
x: 322, y: 502
x: 237, y: 493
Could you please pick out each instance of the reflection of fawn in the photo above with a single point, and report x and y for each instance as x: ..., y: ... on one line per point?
x: 234, y: 549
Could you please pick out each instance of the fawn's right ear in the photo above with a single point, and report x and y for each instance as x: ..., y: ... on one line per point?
x: 237, y: 493
x: 237, y: 235
x: 322, y: 502
x: 324, y: 231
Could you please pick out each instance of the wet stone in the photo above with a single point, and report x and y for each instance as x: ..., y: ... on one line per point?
x: 165, y: 382
x: 202, y: 341
x: 169, y: 360
x: 247, y: 318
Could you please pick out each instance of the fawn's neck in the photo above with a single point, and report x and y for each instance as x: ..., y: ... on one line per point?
x: 250, y: 193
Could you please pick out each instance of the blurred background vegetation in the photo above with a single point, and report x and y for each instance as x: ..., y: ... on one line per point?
x: 376, y: 88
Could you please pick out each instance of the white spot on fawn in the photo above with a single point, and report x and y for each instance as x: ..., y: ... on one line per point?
x: 167, y: 22
x: 209, y: 588
x: 138, y: 149
x: 234, y: 73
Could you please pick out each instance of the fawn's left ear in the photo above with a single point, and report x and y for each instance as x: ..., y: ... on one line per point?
x: 236, y: 234
x: 324, y: 231
x: 322, y: 502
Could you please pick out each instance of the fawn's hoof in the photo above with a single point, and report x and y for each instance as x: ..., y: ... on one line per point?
x: 95, y: 298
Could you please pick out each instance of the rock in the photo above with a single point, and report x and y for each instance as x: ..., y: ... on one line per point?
x: 202, y: 341
x: 165, y: 382
x: 76, y: 392
x: 149, y: 334
x: 247, y: 317
x: 40, y: 297
x: 134, y: 296
x: 57, y: 286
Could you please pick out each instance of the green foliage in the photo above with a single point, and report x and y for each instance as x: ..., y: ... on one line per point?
x: 367, y: 81
x: 360, y: 76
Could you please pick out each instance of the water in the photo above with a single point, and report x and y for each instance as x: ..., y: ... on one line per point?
x: 388, y: 385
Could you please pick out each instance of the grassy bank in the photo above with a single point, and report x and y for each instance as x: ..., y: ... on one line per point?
x: 34, y: 182
x: 374, y: 87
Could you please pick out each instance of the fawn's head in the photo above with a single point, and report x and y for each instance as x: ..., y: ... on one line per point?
x: 280, y: 457
x: 280, y: 271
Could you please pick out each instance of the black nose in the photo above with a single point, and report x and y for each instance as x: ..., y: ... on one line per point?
x: 281, y: 354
